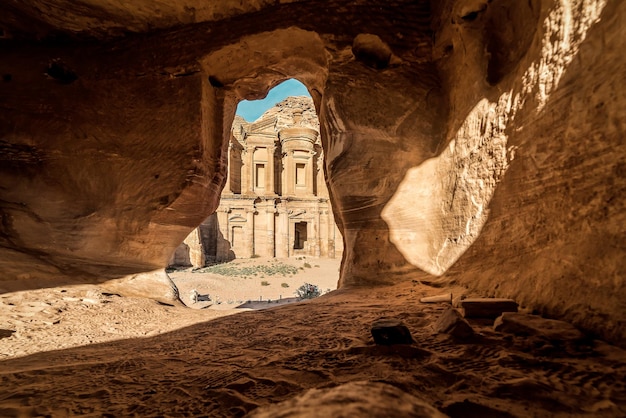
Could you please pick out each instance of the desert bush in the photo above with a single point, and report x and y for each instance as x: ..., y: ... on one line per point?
x: 284, y: 284
x: 265, y: 283
x: 307, y: 265
x: 308, y: 291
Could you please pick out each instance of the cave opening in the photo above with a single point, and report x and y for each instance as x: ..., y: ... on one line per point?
x: 274, y: 220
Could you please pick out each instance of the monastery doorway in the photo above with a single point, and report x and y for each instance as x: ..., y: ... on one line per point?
x: 300, y: 235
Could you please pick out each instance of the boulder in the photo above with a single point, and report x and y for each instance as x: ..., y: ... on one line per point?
x: 451, y: 322
x: 390, y: 332
x: 154, y: 285
x: 487, y: 307
x: 533, y: 325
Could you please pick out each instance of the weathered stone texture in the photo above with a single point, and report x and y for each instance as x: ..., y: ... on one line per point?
x: 354, y: 399
x: 485, y: 149
x: 451, y: 322
x: 554, y: 236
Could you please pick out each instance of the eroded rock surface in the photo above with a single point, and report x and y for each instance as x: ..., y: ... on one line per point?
x: 354, y: 399
x: 472, y: 142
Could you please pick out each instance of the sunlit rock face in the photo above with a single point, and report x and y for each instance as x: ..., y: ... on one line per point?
x: 468, y: 141
x: 550, y: 148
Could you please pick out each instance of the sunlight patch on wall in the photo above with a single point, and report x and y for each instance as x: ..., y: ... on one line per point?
x: 441, y: 206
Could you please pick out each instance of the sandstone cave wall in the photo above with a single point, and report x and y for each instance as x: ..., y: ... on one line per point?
x: 102, y: 168
x: 554, y: 237
x: 501, y: 171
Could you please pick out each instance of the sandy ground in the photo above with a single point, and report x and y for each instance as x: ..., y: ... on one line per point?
x: 246, y: 290
x: 63, y: 317
x: 81, y: 351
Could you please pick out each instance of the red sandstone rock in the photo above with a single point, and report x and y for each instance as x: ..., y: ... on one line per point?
x: 487, y: 307
x: 451, y: 322
x: 355, y: 399
x: 533, y: 325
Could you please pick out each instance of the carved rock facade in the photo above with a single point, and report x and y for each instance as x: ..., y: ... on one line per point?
x: 275, y: 202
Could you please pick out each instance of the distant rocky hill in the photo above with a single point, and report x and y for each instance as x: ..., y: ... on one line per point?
x: 293, y: 111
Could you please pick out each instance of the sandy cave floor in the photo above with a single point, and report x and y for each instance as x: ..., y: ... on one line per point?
x: 82, y: 351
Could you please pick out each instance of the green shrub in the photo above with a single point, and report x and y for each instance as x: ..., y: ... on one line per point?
x: 308, y: 291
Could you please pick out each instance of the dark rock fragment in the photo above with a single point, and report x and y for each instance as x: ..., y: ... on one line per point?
x: 487, y: 307
x: 6, y: 333
x: 390, y: 331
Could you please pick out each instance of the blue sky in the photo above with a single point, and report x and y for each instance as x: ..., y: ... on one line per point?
x: 250, y: 110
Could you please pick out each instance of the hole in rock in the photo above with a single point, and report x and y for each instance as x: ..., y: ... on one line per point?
x: 508, y: 39
x: 60, y: 72
x: 215, y: 82
x: 273, y: 238
x: 471, y: 16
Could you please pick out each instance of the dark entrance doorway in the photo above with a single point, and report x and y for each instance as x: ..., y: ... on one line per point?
x: 299, y: 236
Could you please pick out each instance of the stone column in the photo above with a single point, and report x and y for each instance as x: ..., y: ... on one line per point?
x: 243, y: 170
x: 287, y: 233
x: 281, y: 230
x: 269, y: 171
x: 250, y: 157
x: 310, y: 174
x: 250, y: 232
x: 196, y: 248
x: 271, y: 240
x: 227, y: 186
x: 290, y: 178
x: 223, y: 245
x: 331, y: 234
x: 316, y: 230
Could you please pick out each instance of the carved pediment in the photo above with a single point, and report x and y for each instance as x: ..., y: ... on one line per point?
x: 300, y: 213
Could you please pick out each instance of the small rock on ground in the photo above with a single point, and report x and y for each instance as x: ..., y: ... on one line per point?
x: 391, y: 331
